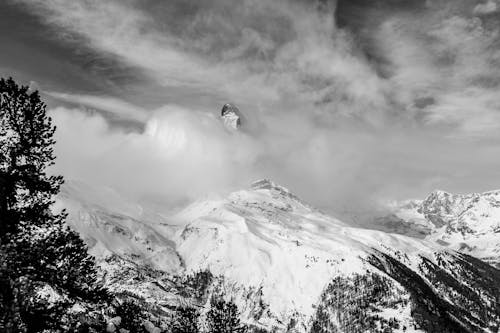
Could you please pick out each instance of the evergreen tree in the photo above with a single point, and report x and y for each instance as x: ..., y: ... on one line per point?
x: 37, y: 250
x: 26, y: 151
x: 185, y: 321
x: 131, y: 316
x: 223, y: 317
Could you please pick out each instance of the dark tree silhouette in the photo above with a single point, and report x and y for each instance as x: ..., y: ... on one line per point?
x: 223, y: 317
x: 131, y: 316
x: 26, y: 151
x: 185, y: 321
x: 38, y: 252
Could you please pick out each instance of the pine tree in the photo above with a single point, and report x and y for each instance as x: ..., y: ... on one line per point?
x: 26, y: 151
x: 223, y: 317
x: 37, y: 249
x: 185, y: 321
x: 131, y: 316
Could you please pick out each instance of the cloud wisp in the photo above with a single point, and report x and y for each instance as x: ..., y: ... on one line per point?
x: 391, y: 107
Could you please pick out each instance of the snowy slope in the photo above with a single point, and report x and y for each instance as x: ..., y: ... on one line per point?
x: 112, y: 224
x: 284, y: 263
x: 467, y: 223
x: 266, y: 237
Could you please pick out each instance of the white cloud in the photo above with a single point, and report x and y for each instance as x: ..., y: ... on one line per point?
x: 179, y: 155
x: 324, y: 122
x: 307, y: 61
x: 449, y: 61
x: 109, y: 104
x: 488, y: 7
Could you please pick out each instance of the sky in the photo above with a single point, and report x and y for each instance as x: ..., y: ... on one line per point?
x: 348, y: 103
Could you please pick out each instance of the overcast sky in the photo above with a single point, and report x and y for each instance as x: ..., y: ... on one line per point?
x: 346, y: 103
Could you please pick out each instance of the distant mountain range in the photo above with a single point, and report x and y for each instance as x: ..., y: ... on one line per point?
x: 468, y: 223
x: 291, y: 268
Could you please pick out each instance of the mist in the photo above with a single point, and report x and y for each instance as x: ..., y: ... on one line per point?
x: 348, y: 104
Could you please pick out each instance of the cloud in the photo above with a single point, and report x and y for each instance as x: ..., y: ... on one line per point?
x: 448, y: 60
x: 163, y: 160
x: 247, y: 52
x: 487, y: 7
x: 405, y: 104
x: 104, y: 103
x: 270, y: 54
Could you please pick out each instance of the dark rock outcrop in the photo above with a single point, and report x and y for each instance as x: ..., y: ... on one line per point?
x: 231, y: 116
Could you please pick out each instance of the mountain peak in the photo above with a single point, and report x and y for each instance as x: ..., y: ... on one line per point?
x: 283, y: 262
x: 231, y: 116
x: 465, y: 222
x: 267, y: 184
x: 438, y: 194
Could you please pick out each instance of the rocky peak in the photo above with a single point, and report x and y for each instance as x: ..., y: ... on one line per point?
x: 469, y: 223
x: 231, y: 117
x: 281, y: 191
x: 440, y: 207
x: 266, y: 184
x: 459, y: 212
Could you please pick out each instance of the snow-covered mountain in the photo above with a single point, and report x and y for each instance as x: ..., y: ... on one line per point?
x: 468, y: 223
x: 288, y: 267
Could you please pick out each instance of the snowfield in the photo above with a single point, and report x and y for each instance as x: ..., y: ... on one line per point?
x: 273, y: 255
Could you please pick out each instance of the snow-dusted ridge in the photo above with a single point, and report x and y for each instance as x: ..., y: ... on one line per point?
x: 266, y: 237
x: 280, y: 260
x: 469, y: 223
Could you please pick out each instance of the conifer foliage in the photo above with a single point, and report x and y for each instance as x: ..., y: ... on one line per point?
x: 223, y: 317
x: 44, y: 266
x: 186, y: 320
x: 131, y: 316
x: 26, y: 151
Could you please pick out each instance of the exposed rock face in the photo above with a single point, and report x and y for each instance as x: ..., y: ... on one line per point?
x: 441, y: 208
x: 469, y: 223
x: 231, y: 116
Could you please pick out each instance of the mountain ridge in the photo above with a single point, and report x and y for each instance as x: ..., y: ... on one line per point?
x: 466, y: 222
x: 282, y: 262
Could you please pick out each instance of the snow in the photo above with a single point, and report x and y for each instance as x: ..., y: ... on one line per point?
x: 468, y: 223
x: 47, y: 293
x: 266, y: 238
x: 112, y: 224
x: 263, y: 238
x: 403, y: 314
